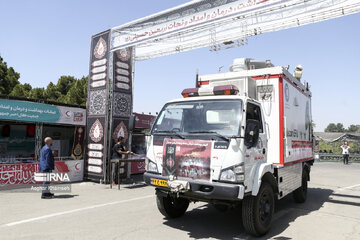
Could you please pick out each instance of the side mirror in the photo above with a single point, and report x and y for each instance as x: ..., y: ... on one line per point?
x: 132, y: 120
x: 251, y: 133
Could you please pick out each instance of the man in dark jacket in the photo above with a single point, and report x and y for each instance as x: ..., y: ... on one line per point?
x: 119, y: 150
x: 46, y: 166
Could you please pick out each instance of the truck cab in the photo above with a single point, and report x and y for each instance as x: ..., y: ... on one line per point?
x: 212, y: 146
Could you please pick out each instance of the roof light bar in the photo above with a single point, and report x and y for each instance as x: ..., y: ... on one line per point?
x: 190, y: 92
x: 226, y: 90
x: 206, y: 91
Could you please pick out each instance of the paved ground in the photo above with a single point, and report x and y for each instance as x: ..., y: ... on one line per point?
x: 94, y: 211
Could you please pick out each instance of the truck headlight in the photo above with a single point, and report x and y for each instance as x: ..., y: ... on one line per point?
x: 228, y: 175
x: 151, y: 166
x: 233, y: 174
x: 240, y: 169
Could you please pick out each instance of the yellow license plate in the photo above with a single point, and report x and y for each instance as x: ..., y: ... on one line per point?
x: 159, y: 182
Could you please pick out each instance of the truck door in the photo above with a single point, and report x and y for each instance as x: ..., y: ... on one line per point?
x: 256, y: 155
x: 253, y: 111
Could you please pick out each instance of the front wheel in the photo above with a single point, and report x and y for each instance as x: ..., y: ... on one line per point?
x: 172, y: 207
x: 258, y: 211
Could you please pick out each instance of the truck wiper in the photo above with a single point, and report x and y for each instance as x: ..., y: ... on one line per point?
x: 173, y: 132
x: 213, y: 132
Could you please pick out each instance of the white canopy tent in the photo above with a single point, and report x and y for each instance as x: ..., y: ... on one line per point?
x: 221, y: 23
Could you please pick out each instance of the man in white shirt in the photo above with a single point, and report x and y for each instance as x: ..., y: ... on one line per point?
x: 345, y: 151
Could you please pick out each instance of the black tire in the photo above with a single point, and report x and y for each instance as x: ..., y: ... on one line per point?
x: 258, y: 211
x: 172, y: 207
x: 300, y: 194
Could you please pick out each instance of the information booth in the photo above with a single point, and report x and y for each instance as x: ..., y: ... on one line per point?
x: 24, y: 124
x: 142, y: 127
x: 143, y: 124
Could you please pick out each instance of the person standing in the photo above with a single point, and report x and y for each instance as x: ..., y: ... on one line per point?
x: 119, y: 150
x: 46, y: 166
x: 345, y: 151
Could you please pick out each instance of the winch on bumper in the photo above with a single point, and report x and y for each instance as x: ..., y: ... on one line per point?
x: 196, y: 189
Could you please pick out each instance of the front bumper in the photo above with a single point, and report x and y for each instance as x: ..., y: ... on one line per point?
x: 203, y: 190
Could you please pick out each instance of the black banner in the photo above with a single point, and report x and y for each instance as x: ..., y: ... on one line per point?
x: 120, y: 129
x: 122, y: 97
x: 97, y: 107
x: 123, y: 67
x: 99, y: 61
x: 95, y: 147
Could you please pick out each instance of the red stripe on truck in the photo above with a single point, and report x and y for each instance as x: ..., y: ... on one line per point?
x: 299, y: 161
x: 281, y: 120
x: 266, y: 77
x: 301, y: 144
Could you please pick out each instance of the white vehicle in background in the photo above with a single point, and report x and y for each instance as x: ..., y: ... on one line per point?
x: 241, y: 136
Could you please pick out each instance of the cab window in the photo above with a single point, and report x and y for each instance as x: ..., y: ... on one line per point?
x: 253, y: 112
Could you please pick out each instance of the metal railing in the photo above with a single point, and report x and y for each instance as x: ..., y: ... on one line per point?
x: 336, y: 157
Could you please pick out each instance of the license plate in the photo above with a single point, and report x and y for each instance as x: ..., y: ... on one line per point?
x: 159, y: 182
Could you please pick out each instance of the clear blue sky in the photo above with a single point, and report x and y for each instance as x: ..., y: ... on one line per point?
x: 45, y: 39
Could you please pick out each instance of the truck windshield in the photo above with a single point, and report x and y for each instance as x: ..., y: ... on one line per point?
x: 221, y: 117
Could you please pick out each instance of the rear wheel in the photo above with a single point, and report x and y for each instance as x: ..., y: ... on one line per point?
x: 172, y: 207
x: 258, y: 211
x: 301, y: 193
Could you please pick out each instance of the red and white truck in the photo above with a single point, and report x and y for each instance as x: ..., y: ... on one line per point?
x: 241, y: 137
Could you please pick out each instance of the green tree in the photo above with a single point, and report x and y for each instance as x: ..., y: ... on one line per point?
x: 8, y: 78
x: 334, y: 147
x: 68, y: 89
x: 77, y: 93
x: 340, y: 127
x: 21, y: 90
x: 85, y: 85
x: 332, y: 127
x: 64, y: 84
x: 353, y: 128
x: 51, y: 92
x: 37, y: 93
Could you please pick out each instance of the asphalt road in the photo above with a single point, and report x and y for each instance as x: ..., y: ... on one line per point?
x: 93, y: 211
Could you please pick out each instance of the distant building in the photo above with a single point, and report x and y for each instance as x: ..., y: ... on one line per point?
x: 336, y: 136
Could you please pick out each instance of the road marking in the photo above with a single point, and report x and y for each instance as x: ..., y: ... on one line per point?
x: 73, y: 211
x: 353, y: 186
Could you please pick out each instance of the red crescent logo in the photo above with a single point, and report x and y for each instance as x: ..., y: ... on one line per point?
x: 76, y: 166
x: 68, y: 114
